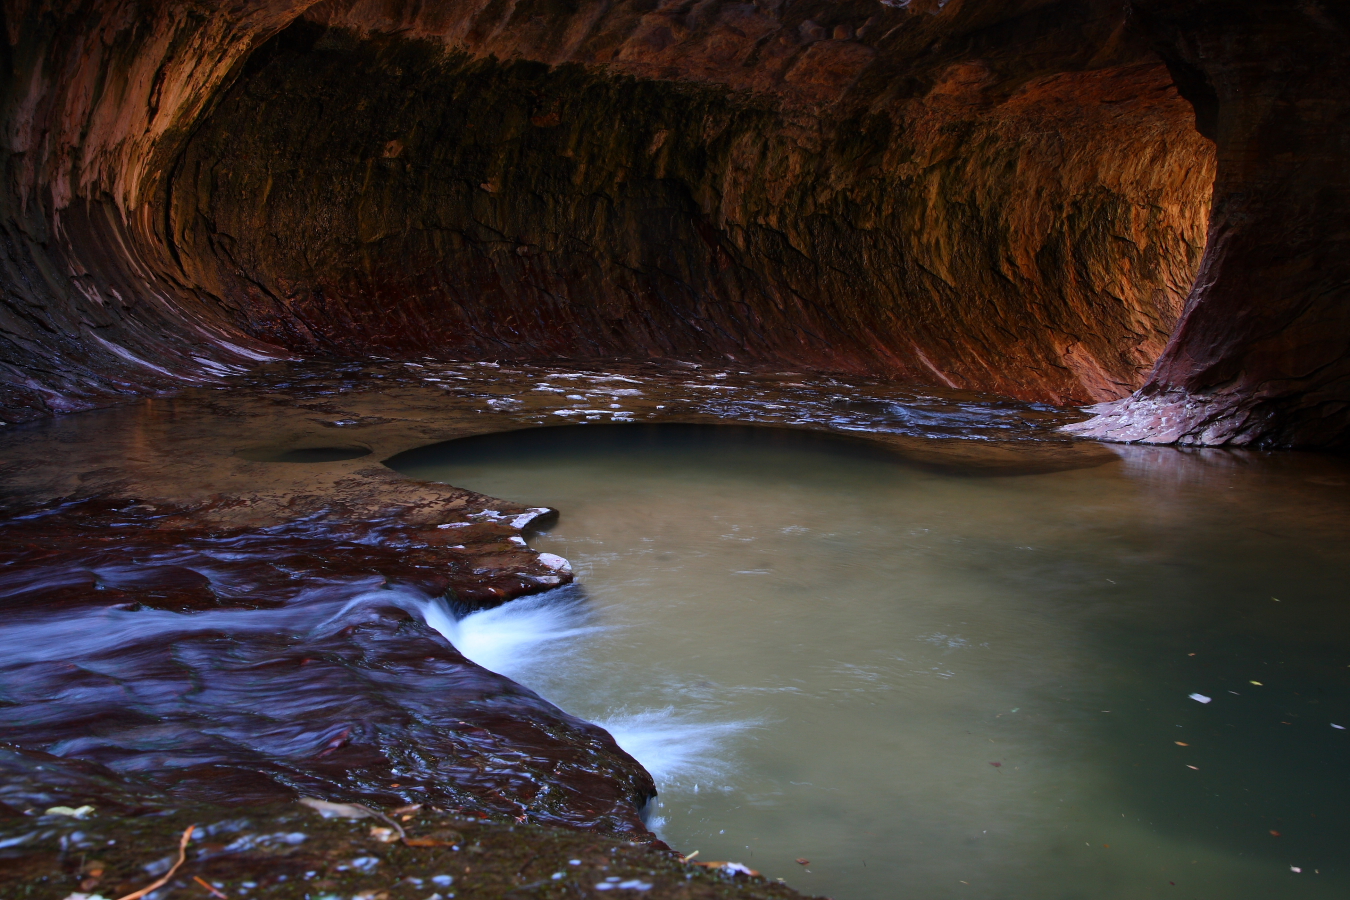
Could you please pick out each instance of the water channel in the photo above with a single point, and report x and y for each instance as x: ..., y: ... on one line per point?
x: 875, y: 679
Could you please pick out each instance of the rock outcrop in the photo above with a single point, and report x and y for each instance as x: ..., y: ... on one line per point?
x: 1001, y: 195
x: 1261, y: 354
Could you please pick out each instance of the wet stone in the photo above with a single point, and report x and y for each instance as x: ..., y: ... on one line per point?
x: 185, y: 625
x: 287, y: 851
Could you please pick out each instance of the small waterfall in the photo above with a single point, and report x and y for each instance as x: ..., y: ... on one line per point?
x: 518, y: 637
x: 536, y: 640
x: 676, y: 748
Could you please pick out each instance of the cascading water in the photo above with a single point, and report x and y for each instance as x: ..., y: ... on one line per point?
x: 541, y: 641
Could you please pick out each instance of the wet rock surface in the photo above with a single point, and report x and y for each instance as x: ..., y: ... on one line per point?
x: 186, y: 624
x: 288, y: 851
x: 243, y: 666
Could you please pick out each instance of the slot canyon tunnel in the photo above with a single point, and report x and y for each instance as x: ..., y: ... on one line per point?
x: 1138, y: 204
x: 269, y: 248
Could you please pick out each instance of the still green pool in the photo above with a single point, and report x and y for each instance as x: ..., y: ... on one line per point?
x: 877, y: 680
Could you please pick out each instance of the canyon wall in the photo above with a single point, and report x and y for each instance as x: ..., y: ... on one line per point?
x: 1005, y: 195
x: 1261, y: 354
x: 367, y: 192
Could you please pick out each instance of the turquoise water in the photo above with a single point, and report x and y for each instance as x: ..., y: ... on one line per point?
x: 935, y: 685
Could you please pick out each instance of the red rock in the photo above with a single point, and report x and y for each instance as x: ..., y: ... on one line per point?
x: 1001, y: 196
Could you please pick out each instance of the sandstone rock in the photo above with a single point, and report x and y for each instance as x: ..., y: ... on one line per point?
x: 1009, y: 195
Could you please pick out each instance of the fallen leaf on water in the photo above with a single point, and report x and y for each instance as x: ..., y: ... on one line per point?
x: 79, y: 812
x: 731, y: 868
x: 328, y: 809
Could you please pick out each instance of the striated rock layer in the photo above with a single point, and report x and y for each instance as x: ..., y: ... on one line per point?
x: 1004, y: 195
x: 1261, y: 354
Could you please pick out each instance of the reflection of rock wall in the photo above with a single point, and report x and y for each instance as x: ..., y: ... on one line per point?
x: 997, y: 194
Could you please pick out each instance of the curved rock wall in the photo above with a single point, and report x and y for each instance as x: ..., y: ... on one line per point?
x: 374, y: 193
x: 97, y: 95
x: 1006, y: 195
x: 1262, y: 353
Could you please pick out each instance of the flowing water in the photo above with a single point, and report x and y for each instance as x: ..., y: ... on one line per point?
x: 876, y: 680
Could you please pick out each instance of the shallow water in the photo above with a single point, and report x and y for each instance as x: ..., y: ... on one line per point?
x: 934, y: 685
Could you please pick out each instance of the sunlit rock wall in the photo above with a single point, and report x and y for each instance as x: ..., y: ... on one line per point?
x: 1262, y: 353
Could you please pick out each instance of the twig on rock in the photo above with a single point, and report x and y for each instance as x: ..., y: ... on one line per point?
x: 182, y: 855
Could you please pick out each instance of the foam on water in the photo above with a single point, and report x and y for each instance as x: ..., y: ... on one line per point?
x: 544, y: 638
x: 678, y: 749
x: 516, y: 638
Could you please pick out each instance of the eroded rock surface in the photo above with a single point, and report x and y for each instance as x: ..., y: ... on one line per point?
x: 1005, y: 196
x: 1261, y: 354
x: 903, y: 203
